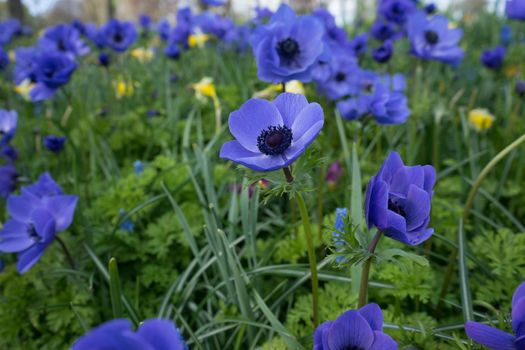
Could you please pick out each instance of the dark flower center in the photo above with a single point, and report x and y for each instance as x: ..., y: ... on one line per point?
x: 288, y: 49
x: 31, y: 231
x: 397, y: 9
x: 339, y: 77
x: 274, y: 140
x: 396, y: 207
x: 431, y: 37
x: 49, y: 72
x: 61, y: 45
x: 118, y: 37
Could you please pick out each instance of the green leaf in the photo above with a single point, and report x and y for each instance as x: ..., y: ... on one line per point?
x: 466, y: 297
x: 114, y: 288
x: 391, y: 254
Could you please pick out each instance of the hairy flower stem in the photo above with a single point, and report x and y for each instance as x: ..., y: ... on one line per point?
x: 363, y: 286
x: 288, y: 174
x: 310, y: 246
x: 66, y: 252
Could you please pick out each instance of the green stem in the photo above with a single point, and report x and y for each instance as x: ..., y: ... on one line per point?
x: 468, y: 206
x: 66, y: 252
x: 311, y: 257
x: 363, y: 286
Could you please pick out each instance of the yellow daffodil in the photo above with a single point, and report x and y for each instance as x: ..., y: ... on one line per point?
x: 480, y: 119
x: 142, y: 54
x: 198, y: 40
x: 24, y: 88
x: 205, y: 88
x: 123, y: 88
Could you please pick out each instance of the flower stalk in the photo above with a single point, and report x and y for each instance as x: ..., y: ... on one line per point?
x: 363, y: 286
x: 310, y: 246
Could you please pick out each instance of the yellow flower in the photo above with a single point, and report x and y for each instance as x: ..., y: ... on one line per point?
x: 142, y: 54
x: 511, y: 71
x: 123, y: 88
x: 480, y: 119
x: 205, y: 88
x: 24, y: 88
x: 294, y: 86
x: 12, y: 56
x: 198, y: 40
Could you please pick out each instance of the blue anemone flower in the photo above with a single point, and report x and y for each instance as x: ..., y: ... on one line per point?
x: 64, y: 38
x: 8, y: 125
x: 8, y: 29
x: 383, y: 53
x: 341, y: 80
x: 493, y: 58
x: 145, y: 21
x: 36, y: 216
x: 152, y: 334
x: 388, y: 107
x: 25, y: 63
x: 398, y: 200
x: 54, y: 143
x: 432, y: 39
x: 515, y: 9
x: 288, y: 47
x: 52, y: 70
x: 496, y: 339
x: 354, y: 329
x: 214, y: 2
x: 397, y: 11
x: 383, y: 30
x: 118, y: 35
x: 354, y: 108
x: 272, y: 135
x: 8, y: 177
x: 359, y: 44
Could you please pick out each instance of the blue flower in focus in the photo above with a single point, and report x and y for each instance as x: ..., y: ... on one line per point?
x: 288, y: 47
x: 152, y: 334
x: 383, y: 30
x: 4, y: 59
x: 388, y: 107
x: 214, y: 2
x: 354, y: 108
x: 354, y: 329
x: 496, y: 339
x: 431, y: 39
x: 359, y: 44
x: 397, y: 11
x: 383, y: 53
x: 398, y: 200
x: 493, y: 58
x: 272, y: 135
x: 54, y: 143
x: 8, y: 124
x: 36, y: 216
x: 118, y: 35
x: 515, y: 9
x: 8, y: 177
x: 63, y: 38
x: 8, y: 29
x: 52, y: 70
